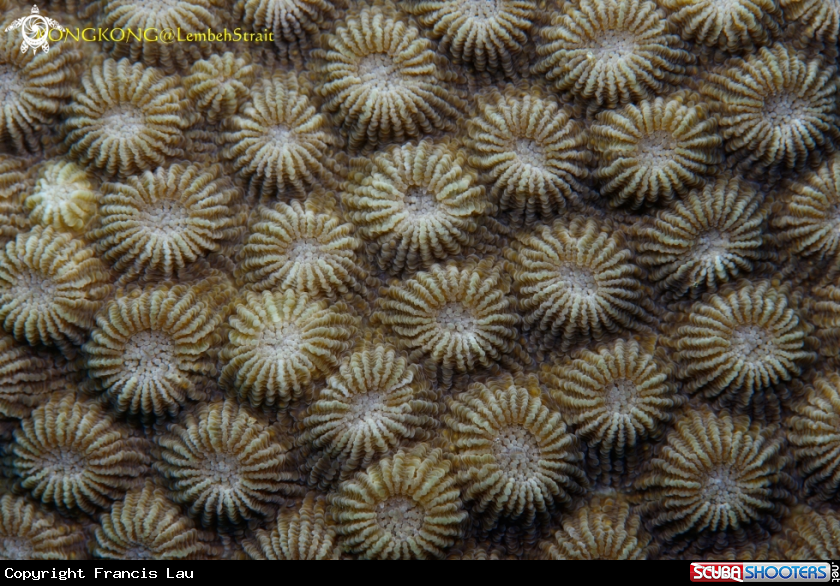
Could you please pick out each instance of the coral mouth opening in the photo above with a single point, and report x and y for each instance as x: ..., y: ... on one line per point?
x: 614, y: 45
x: 782, y: 109
x: 752, y: 343
x: 620, y: 395
x: 400, y: 517
x: 517, y: 453
x: 378, y: 70
x: 149, y: 355
x: 481, y: 9
x: 529, y: 152
x: 581, y: 280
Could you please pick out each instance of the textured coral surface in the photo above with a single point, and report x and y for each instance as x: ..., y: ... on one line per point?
x: 421, y: 279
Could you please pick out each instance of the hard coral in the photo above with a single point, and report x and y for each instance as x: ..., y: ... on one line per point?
x: 737, y: 26
x: 714, y: 474
x: 303, y: 534
x: 33, y: 88
x: 224, y: 463
x: 383, y: 82
x: 460, y: 317
x: 739, y: 343
x: 64, y: 197
x: 406, y: 506
x: 514, y: 455
x: 376, y: 401
x: 611, y: 52
x: 161, y: 221
x: 278, y: 140
x: 775, y: 108
x: 418, y: 203
x: 653, y: 151
x: 815, y: 435
x: 220, y: 84
x: 27, y: 377
x: 127, y: 118
x: 146, y: 525
x: 614, y: 398
x: 28, y: 534
x: 152, y: 348
x: 296, y: 247
x: 74, y: 455
x: 486, y: 34
x: 279, y: 343
x: 576, y: 282
x: 532, y: 151
x: 706, y: 240
x: 51, y: 285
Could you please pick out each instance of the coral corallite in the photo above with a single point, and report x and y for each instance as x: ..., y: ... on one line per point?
x: 126, y: 118
x: 26, y: 378
x: 707, y: 239
x: 486, y: 34
x: 29, y: 534
x: 653, y: 151
x: 714, y: 474
x: 809, y: 222
x: 151, y: 349
x: 460, y: 317
x: 576, y: 282
x: 611, y: 52
x: 164, y: 220
x: 816, y: 19
x: 775, y: 108
x: 383, y: 81
x: 739, y: 342
x: 279, y: 140
x: 33, y: 88
x: 72, y: 454
x: 514, y: 455
x: 224, y: 463
x: 532, y: 152
x: 220, y: 84
x: 291, y: 21
x: 51, y: 285
x: 815, y: 436
x: 279, y: 343
x: 375, y: 401
x: 406, y: 506
x: 295, y: 247
x: 735, y: 26
x: 64, y: 197
x: 824, y: 313
x: 418, y: 203
x: 604, y: 529
x: 146, y: 525
x: 809, y: 535
x: 303, y: 534
x: 616, y: 397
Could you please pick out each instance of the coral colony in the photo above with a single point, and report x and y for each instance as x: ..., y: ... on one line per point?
x: 473, y: 279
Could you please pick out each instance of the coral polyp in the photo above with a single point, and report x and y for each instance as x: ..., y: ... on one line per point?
x: 224, y: 464
x: 775, y: 108
x: 164, y: 220
x: 653, y: 151
x: 279, y: 343
x: 279, y: 140
x: 611, y: 52
x: 383, y: 82
x: 531, y: 151
x: 374, y: 402
x: 735, y: 26
x: 714, y: 474
x: 815, y: 438
x: 614, y: 398
x: 576, y: 282
x: 152, y: 349
x: 64, y: 197
x: 706, y: 240
x: 460, y: 317
x: 74, y: 455
x: 739, y: 343
x: 419, y: 204
x: 404, y: 507
x: 515, y: 457
x: 29, y: 534
x: 27, y: 378
x: 51, y: 286
x: 485, y: 34
x: 220, y: 84
x: 126, y: 118
x: 295, y: 247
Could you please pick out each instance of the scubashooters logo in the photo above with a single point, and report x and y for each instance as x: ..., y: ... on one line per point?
x: 35, y: 29
x: 761, y: 572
